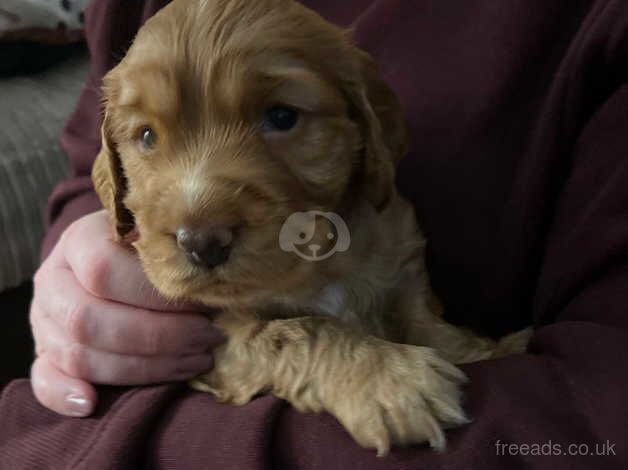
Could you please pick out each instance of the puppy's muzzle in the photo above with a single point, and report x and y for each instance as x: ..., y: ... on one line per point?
x: 206, y: 247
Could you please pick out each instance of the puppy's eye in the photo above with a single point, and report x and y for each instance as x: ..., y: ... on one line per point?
x: 148, y: 138
x: 280, y: 118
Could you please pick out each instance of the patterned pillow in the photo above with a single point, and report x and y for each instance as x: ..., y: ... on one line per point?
x: 49, y: 21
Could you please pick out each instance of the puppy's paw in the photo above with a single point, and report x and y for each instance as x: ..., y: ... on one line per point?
x: 232, y: 380
x: 409, y: 397
x: 225, y: 391
x: 210, y: 383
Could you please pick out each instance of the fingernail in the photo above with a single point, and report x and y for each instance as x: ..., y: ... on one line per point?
x: 78, y: 405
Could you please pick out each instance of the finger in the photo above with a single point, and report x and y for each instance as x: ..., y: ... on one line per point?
x: 100, y: 367
x: 119, y: 328
x: 109, y: 270
x: 59, y: 392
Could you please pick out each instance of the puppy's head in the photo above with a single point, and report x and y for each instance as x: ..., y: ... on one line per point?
x: 224, y: 119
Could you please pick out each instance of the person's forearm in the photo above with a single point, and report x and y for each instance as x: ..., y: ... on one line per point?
x: 539, y: 410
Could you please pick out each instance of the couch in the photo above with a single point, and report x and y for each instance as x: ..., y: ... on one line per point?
x: 36, y: 97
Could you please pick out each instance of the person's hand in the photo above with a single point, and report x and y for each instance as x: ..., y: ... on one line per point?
x: 97, y: 320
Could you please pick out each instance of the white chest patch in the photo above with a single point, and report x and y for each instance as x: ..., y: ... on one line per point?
x: 331, y: 300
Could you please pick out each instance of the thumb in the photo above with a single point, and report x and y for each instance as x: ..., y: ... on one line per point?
x: 59, y: 392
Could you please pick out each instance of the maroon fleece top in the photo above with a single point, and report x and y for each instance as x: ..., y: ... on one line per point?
x: 518, y: 112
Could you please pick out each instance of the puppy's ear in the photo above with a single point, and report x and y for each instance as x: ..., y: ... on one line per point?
x: 110, y: 182
x: 384, y: 130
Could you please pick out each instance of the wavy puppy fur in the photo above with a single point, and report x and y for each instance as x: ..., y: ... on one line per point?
x: 356, y: 334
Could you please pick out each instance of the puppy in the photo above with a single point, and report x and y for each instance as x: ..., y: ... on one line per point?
x: 242, y: 143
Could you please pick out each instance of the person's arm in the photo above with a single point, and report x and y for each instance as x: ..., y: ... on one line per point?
x: 569, y: 390
x: 566, y: 396
x: 95, y: 317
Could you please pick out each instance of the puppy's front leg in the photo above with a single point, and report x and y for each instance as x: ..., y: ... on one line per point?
x: 383, y: 393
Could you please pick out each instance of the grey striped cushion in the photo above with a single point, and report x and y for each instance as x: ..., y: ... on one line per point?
x: 32, y: 112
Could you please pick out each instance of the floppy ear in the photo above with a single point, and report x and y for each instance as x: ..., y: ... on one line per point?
x: 110, y: 182
x: 384, y: 130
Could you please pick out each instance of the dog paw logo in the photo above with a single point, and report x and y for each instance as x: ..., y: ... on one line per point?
x: 299, y: 235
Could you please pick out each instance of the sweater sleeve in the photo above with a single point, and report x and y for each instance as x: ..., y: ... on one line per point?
x: 110, y: 27
x: 560, y: 406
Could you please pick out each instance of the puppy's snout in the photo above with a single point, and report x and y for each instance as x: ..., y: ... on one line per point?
x: 208, y: 247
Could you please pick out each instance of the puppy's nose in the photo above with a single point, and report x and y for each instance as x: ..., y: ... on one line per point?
x: 208, y: 247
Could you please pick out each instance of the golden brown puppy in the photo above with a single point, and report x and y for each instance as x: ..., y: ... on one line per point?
x: 253, y: 148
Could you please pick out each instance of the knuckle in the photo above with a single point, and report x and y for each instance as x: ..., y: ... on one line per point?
x: 39, y: 276
x: 40, y: 349
x: 68, y: 235
x: 44, y: 276
x: 75, y: 360
x: 39, y: 337
x: 76, y: 322
x: 33, y: 314
x: 96, y: 273
x: 38, y: 382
